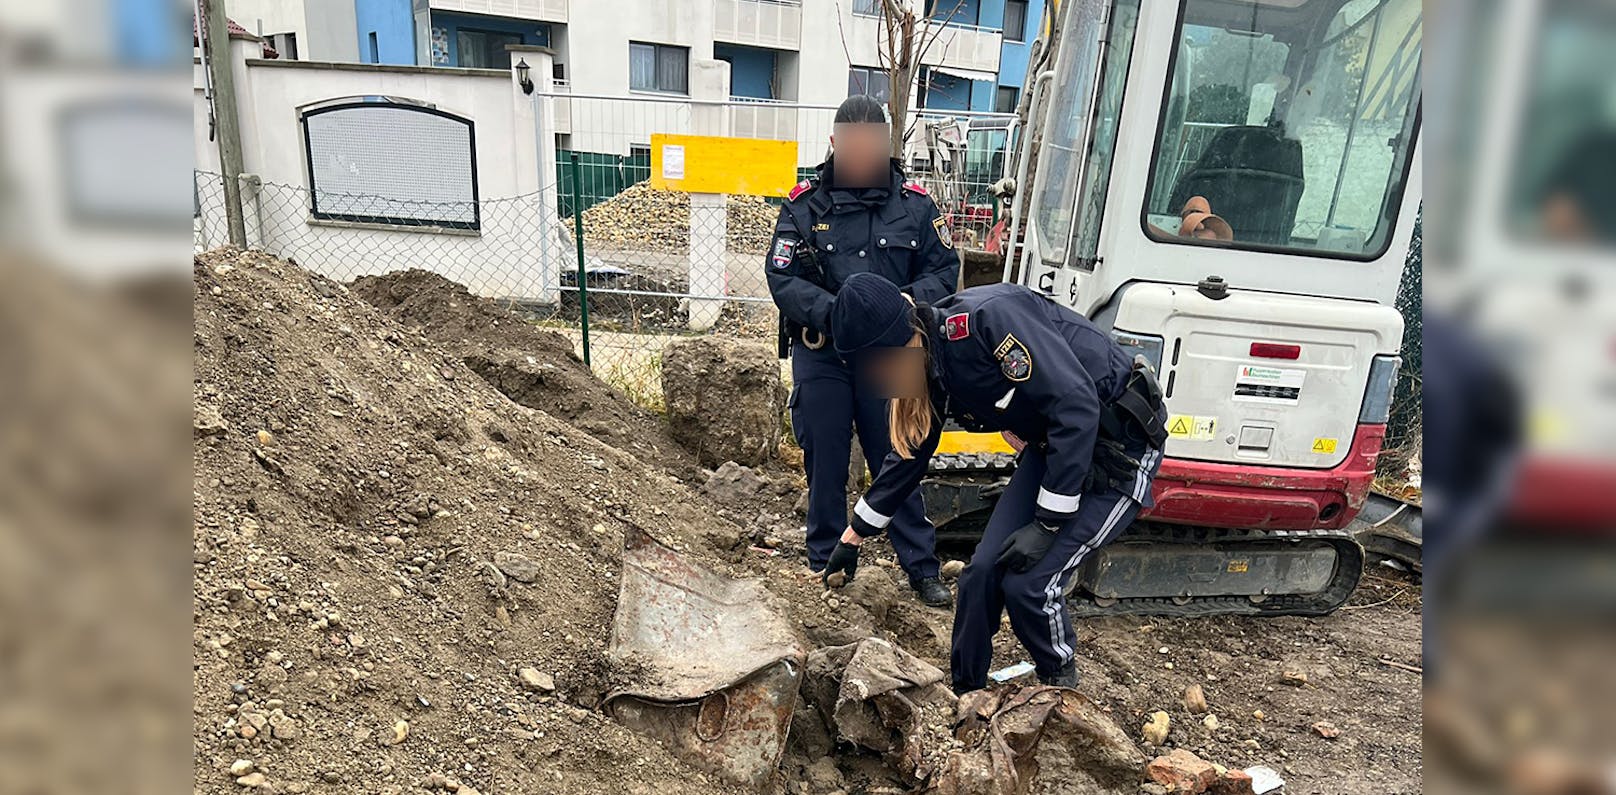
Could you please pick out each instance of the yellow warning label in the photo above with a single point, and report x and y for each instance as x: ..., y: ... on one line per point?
x: 1323, y: 446
x: 1195, y: 429
x: 1239, y: 566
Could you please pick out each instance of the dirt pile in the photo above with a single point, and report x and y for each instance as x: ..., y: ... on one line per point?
x: 724, y: 397
x: 404, y: 580
x: 355, y: 484
x: 533, y: 366
x: 647, y: 219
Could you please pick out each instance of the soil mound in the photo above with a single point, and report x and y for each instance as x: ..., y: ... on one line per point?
x: 533, y: 366
x: 355, y: 485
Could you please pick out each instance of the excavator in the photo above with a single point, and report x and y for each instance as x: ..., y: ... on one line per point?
x: 1231, y: 188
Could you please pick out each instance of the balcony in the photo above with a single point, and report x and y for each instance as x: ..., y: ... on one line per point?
x: 762, y: 118
x: 761, y: 23
x: 966, y: 47
x: 560, y: 107
x: 542, y: 10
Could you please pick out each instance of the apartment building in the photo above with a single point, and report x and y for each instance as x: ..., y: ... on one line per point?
x: 808, y: 51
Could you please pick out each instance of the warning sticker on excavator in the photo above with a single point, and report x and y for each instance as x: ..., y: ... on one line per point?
x: 1195, y: 429
x: 1324, y: 446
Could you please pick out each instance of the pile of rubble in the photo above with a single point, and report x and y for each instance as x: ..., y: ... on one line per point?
x: 647, y: 219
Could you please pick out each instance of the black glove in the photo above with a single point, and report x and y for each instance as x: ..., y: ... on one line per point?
x: 1025, y: 547
x: 844, y: 558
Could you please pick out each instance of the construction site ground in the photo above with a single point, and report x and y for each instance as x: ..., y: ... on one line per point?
x: 363, y: 453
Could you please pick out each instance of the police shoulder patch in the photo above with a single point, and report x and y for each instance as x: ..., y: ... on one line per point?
x: 782, y: 252
x: 957, y: 327
x: 940, y: 224
x: 1015, y: 361
x: 799, y: 189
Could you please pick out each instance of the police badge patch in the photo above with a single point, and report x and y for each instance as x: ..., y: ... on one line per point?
x: 783, y: 249
x: 1015, y: 361
x: 941, y: 225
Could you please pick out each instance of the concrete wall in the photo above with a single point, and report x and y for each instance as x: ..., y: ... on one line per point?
x: 502, y: 258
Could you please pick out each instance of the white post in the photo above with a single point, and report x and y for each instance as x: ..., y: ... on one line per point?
x: 709, y: 84
x: 536, y: 166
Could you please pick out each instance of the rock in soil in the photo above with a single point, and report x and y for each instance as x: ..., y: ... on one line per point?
x: 1155, y: 730
x: 733, y: 484
x: 724, y: 398
x: 1182, y: 772
x: 534, y: 679
x: 952, y: 569
x: 518, y: 567
x: 1195, y: 699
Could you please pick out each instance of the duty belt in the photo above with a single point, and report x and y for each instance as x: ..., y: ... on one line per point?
x: 1139, y: 407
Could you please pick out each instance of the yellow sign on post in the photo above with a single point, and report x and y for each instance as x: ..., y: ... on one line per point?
x: 715, y: 164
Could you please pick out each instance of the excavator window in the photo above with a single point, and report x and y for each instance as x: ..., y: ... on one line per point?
x: 1287, y: 126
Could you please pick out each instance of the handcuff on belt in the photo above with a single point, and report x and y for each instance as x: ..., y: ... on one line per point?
x: 814, y: 340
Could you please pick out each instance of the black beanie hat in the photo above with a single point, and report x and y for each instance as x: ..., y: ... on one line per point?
x: 870, y: 312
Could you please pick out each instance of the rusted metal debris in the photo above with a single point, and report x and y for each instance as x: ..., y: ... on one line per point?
x: 720, y: 668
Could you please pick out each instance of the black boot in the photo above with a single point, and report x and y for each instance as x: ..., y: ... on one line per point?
x: 932, y: 592
x: 1066, y: 677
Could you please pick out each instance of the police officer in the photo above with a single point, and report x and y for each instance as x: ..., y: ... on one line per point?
x: 857, y: 214
x: 1087, y: 419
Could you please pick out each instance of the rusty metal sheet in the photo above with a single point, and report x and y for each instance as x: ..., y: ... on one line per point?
x: 719, y: 667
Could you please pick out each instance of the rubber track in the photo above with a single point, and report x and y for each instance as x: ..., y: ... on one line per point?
x: 1349, y: 567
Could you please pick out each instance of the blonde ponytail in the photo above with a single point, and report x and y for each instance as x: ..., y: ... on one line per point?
x: 909, y: 418
x: 908, y: 424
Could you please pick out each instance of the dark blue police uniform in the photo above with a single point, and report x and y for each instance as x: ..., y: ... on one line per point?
x: 1004, y: 358
x: 824, y: 235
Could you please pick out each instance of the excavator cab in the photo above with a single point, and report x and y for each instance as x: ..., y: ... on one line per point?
x: 1230, y: 187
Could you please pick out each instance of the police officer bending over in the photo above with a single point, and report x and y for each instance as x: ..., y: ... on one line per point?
x: 856, y: 215
x: 1087, y: 419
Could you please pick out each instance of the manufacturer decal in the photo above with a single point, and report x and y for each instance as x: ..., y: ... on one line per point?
x: 957, y: 327
x: 783, y: 250
x: 1258, y: 384
x: 1014, y: 359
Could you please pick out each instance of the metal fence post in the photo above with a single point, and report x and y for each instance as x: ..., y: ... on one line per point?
x: 578, y: 234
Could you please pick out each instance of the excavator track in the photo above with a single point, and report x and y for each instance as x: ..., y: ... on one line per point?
x: 1171, y: 570
x: 1163, y: 569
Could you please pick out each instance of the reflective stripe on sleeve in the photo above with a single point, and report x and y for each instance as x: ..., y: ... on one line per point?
x: 868, y: 514
x: 1058, y: 503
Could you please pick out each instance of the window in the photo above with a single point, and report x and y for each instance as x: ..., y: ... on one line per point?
x: 658, y: 67
x: 1298, y: 130
x: 485, y: 49
x: 375, y: 49
x: 873, y: 81
x: 1015, y: 20
x: 1004, y: 99
x: 868, y: 8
